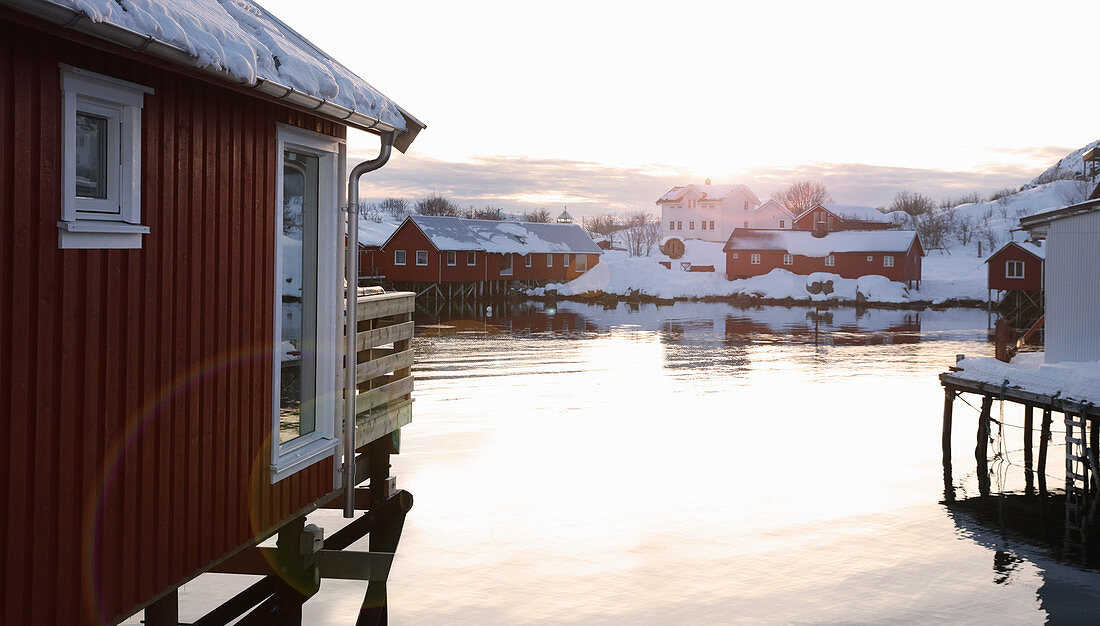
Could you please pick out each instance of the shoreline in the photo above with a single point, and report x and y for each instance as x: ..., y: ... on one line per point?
x: 746, y: 300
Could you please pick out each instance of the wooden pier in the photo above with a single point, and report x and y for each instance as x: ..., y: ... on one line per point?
x: 1082, y: 452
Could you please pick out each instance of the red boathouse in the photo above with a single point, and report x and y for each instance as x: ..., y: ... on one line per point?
x: 895, y: 254
x: 171, y: 300
x: 1017, y: 266
x: 834, y: 217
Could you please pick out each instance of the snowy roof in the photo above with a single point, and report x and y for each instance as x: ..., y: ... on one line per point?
x: 708, y: 192
x: 1029, y: 247
x: 803, y: 242
x: 773, y: 203
x: 241, y: 42
x: 1055, y: 213
x: 375, y: 233
x: 1078, y: 381
x: 855, y: 212
x: 453, y: 233
x: 565, y: 216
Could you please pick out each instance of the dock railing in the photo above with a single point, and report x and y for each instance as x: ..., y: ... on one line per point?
x: 383, y: 364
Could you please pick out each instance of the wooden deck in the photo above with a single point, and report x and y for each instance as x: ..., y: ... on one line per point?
x: 383, y: 365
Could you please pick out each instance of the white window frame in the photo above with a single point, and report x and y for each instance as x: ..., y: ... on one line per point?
x: 672, y: 224
x: 452, y: 258
x: 511, y: 264
x: 712, y: 224
x: 788, y: 259
x: 888, y: 260
x: 565, y: 259
x: 782, y: 223
x: 582, y: 263
x: 549, y: 260
x: 830, y: 261
x: 471, y: 258
x: 400, y: 257
x: 528, y: 259
x: 307, y: 450
x: 114, y: 222
x: 754, y: 259
x: 691, y: 225
x: 1014, y: 263
x: 870, y: 258
x: 419, y: 254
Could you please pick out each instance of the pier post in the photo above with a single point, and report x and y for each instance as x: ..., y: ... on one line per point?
x: 948, y: 405
x: 1044, y: 435
x: 1029, y: 473
x: 981, y: 450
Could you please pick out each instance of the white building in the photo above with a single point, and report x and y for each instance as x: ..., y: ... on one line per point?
x: 1071, y: 278
x: 708, y: 212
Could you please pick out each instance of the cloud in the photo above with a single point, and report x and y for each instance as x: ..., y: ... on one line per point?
x: 523, y: 183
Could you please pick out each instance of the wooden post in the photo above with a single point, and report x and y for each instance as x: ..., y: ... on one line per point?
x: 165, y: 611
x: 1029, y: 473
x: 1044, y: 435
x: 981, y: 450
x: 948, y: 405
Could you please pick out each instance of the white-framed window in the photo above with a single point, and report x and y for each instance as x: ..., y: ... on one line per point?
x: 754, y: 259
x: 528, y: 259
x: 308, y: 240
x: 782, y: 223
x: 100, y: 161
x: 399, y: 257
x: 746, y: 224
x: 1014, y: 269
x: 830, y: 261
x: 870, y: 258
x: 565, y: 260
x: 679, y: 225
x: 712, y: 225
x: 471, y: 257
x: 672, y: 225
x: 888, y: 261
x: 691, y: 225
x: 830, y: 223
x: 820, y: 217
x: 746, y: 205
x: 788, y: 259
x: 582, y: 263
x: 549, y: 260
x: 506, y: 264
x: 703, y: 225
x: 452, y: 258
x: 421, y: 257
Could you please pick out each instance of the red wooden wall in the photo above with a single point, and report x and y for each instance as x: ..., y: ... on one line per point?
x: 907, y: 267
x: 1033, y: 270
x: 806, y: 222
x: 137, y: 383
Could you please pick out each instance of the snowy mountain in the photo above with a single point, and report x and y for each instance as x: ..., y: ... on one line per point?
x: 1068, y: 167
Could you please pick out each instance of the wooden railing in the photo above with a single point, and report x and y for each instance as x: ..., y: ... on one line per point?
x: 383, y: 365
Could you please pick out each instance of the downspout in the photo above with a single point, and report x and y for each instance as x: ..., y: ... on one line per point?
x: 351, y: 266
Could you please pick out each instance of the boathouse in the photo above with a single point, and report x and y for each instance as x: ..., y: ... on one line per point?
x: 895, y: 254
x: 834, y: 217
x: 456, y: 257
x: 1016, y: 266
x: 172, y: 263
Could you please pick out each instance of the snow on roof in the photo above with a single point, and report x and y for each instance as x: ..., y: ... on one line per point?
x: 1077, y: 381
x: 245, y: 40
x: 803, y: 242
x: 375, y: 233
x: 857, y: 213
x: 565, y: 216
x: 1035, y: 250
x: 708, y: 192
x: 452, y: 233
x: 773, y: 203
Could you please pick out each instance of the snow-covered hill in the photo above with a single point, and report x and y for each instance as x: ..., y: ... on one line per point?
x: 1068, y: 167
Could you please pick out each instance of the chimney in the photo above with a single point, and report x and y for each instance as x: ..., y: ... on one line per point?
x: 708, y: 182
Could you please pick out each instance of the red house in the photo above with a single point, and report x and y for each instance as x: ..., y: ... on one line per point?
x: 1017, y: 266
x: 427, y: 250
x: 834, y: 217
x: 172, y: 308
x: 895, y: 254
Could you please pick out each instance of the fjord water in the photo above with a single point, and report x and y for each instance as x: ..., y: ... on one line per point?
x: 700, y: 463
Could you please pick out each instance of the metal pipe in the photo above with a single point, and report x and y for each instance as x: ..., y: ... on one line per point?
x: 351, y: 266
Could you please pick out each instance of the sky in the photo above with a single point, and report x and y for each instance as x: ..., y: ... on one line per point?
x: 603, y: 106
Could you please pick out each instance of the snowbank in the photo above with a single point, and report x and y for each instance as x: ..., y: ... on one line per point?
x: 1073, y: 381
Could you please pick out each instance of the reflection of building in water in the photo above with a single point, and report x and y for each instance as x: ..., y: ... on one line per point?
x: 838, y: 327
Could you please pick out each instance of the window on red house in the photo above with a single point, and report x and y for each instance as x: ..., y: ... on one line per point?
x: 888, y: 261
x: 755, y: 259
x: 830, y: 261
x: 421, y: 257
x: 471, y: 258
x: 788, y: 259
x: 1014, y: 269
x: 452, y: 258
x: 398, y: 257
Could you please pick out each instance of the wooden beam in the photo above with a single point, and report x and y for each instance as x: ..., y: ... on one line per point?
x: 342, y: 564
x: 1044, y: 435
x: 948, y: 405
x: 366, y: 370
x: 372, y: 307
x: 383, y: 336
x: 372, y: 426
x: 1029, y: 426
x: 381, y: 395
x: 981, y: 450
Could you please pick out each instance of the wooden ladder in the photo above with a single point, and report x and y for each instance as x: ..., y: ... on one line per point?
x: 1078, y: 467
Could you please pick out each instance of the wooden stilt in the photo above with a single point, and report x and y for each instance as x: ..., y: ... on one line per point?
x: 981, y: 450
x: 948, y: 405
x: 165, y: 611
x: 1044, y: 436
x: 1029, y: 473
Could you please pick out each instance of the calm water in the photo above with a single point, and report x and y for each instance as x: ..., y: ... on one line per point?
x: 700, y: 463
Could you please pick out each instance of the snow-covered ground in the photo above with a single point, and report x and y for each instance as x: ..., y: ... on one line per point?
x: 1073, y: 381
x: 960, y: 275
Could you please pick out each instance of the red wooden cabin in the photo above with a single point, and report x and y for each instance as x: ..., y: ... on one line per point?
x: 834, y: 217
x: 895, y: 254
x: 167, y: 407
x: 1017, y: 266
x: 433, y: 250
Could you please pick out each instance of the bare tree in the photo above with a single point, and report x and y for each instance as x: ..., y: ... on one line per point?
x: 1074, y: 192
x: 396, y: 207
x: 912, y: 203
x: 643, y: 232
x: 934, y: 227
x: 538, y: 216
x: 370, y: 211
x: 803, y: 196
x: 436, y: 204
x: 495, y: 214
x: 964, y: 229
x: 607, y: 225
x: 988, y: 236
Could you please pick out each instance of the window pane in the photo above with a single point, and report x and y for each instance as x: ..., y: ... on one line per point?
x: 298, y: 242
x: 91, y: 156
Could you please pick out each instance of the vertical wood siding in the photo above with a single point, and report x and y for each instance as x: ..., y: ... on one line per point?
x: 1073, y: 289
x: 137, y: 382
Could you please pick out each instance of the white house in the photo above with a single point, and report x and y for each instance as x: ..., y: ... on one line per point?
x: 708, y: 212
x: 771, y: 214
x: 1071, y: 280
